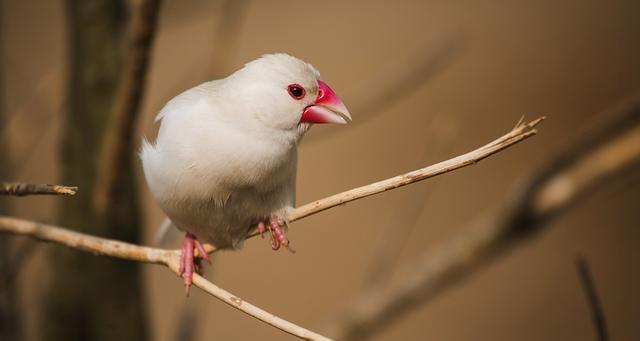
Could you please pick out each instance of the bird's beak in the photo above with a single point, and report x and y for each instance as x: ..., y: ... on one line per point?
x: 327, y: 108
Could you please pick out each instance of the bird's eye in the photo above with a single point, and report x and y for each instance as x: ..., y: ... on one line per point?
x: 296, y: 91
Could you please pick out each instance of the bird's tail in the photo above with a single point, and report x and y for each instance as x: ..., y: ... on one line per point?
x: 165, y: 234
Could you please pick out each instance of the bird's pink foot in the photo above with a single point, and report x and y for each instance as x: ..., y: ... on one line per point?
x: 188, y: 263
x: 261, y: 228
x: 276, y: 226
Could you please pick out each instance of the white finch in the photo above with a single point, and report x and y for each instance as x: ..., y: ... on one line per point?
x: 225, y: 157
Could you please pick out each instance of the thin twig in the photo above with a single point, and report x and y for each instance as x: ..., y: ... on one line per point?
x: 516, y: 135
x: 118, y: 138
x: 597, y: 313
x: 22, y: 189
x: 169, y: 258
x: 609, y: 149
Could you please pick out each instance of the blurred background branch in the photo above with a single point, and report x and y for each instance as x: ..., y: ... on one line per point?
x: 17, y: 258
x: 118, y: 145
x: 109, y: 42
x: 399, y: 79
x: 392, y: 238
x: 595, y: 306
x: 606, y: 149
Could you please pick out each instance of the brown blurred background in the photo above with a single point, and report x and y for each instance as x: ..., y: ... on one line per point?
x: 568, y: 60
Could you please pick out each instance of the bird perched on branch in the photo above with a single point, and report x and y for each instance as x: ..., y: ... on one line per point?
x: 225, y: 158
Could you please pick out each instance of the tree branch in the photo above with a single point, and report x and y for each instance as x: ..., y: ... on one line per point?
x: 519, y: 133
x: 170, y: 258
x: 22, y: 189
x: 606, y: 150
x: 118, y: 138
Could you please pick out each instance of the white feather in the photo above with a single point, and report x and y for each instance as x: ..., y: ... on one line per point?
x: 226, y: 151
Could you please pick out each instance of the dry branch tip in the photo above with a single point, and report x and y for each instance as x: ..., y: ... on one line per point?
x: 23, y: 189
x: 66, y: 190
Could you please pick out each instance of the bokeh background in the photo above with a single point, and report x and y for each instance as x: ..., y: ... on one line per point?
x: 498, y: 60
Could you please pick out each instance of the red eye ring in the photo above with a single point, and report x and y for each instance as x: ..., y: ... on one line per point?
x: 296, y: 91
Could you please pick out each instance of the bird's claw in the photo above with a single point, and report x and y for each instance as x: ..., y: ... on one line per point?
x: 276, y: 226
x: 188, y: 262
x: 261, y: 229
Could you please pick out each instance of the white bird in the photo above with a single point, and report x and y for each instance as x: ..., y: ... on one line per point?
x: 225, y: 157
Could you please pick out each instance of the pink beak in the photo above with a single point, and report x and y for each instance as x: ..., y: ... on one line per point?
x: 327, y: 108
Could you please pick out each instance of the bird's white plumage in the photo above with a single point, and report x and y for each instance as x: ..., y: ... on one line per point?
x: 226, y: 151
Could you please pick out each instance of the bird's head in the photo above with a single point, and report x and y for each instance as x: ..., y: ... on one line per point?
x: 287, y: 94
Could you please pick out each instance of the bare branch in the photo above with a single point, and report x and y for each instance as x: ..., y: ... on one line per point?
x: 169, y: 258
x: 519, y: 133
x: 608, y: 150
x: 118, y: 138
x: 22, y: 189
x: 592, y: 297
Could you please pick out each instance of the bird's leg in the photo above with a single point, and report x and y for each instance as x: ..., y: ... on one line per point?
x: 187, y: 261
